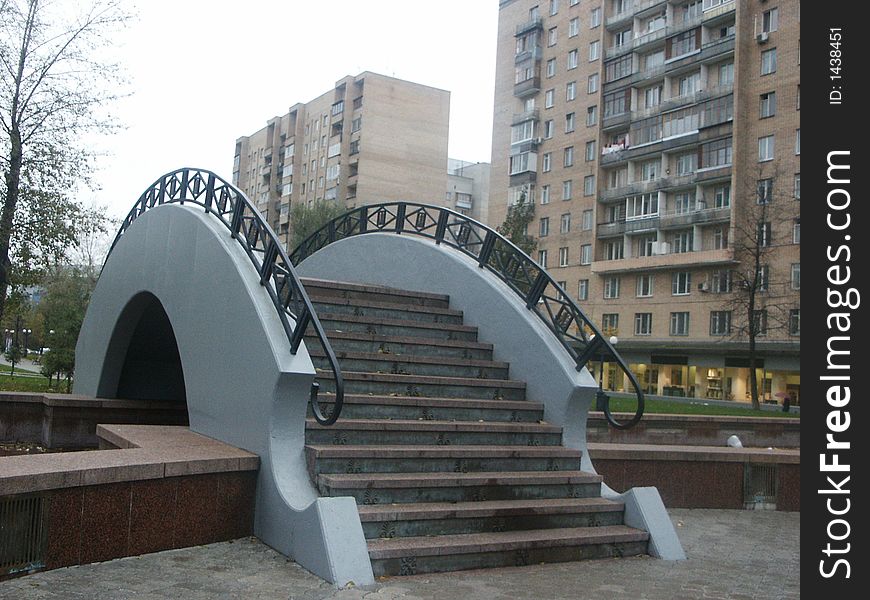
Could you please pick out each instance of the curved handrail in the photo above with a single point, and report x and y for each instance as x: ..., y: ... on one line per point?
x: 247, y: 226
x: 537, y: 289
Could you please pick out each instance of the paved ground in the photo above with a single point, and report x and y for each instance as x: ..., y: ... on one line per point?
x: 734, y: 555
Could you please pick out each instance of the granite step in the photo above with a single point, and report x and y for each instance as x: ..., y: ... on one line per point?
x: 439, y: 366
x: 438, y: 459
x: 398, y: 327
x: 426, y: 554
x: 360, y: 341
x: 390, y: 432
x: 365, y: 406
x: 386, y: 310
x: 376, y: 293
x: 448, y: 518
x: 401, y: 488
x: 359, y: 382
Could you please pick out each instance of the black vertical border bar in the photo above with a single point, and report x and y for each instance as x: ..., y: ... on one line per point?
x: 833, y: 127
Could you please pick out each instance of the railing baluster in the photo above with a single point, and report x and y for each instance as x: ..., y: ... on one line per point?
x: 441, y: 228
x: 486, y: 249
x: 537, y: 289
x: 400, y: 218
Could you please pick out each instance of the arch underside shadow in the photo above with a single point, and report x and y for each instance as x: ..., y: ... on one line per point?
x: 142, y: 358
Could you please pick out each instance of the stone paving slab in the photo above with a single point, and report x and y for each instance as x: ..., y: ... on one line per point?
x: 733, y: 555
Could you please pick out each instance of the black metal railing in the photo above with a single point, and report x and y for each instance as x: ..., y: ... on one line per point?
x: 540, y: 292
x: 275, y: 271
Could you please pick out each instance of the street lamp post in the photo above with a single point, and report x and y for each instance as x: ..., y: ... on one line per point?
x: 26, y: 333
x: 601, y: 397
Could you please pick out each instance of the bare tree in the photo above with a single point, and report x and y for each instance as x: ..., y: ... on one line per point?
x: 56, y: 78
x: 759, y: 298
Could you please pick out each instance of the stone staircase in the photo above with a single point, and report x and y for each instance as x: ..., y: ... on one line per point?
x: 451, y: 466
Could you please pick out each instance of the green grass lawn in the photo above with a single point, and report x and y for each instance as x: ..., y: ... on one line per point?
x: 29, y: 384
x: 8, y: 369
x: 697, y: 407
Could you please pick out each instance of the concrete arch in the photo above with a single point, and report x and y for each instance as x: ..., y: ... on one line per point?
x: 241, y: 382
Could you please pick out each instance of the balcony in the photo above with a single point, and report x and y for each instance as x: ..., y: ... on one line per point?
x: 708, y: 174
x: 616, y: 120
x: 529, y: 115
x: 704, y: 258
x: 696, y: 217
x: 536, y: 53
x: 716, y: 13
x: 636, y: 43
x: 661, y: 145
x: 621, y: 227
x: 708, y: 52
x: 529, y: 26
x: 528, y: 87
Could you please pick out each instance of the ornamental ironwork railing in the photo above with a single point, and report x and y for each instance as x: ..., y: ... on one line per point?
x: 274, y: 269
x: 531, y: 282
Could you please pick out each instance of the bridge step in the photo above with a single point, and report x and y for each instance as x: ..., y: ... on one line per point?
x: 317, y: 288
x: 451, y: 467
x: 398, y: 327
x: 409, y: 556
x: 399, y: 488
x: 439, y: 459
x: 356, y: 341
x: 386, y: 310
x: 410, y: 364
x: 354, y: 432
x: 447, y: 518
x: 364, y: 406
x: 422, y: 385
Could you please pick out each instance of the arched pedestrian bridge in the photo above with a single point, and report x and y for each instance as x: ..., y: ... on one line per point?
x: 414, y: 385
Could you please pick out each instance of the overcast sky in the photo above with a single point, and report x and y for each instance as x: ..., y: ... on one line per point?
x: 202, y: 76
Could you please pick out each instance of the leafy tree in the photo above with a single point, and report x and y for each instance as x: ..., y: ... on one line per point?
x: 54, y: 77
x: 14, y: 355
x: 516, y: 225
x: 306, y: 219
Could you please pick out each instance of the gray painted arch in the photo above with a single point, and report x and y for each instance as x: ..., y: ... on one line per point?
x: 519, y: 337
x: 242, y: 384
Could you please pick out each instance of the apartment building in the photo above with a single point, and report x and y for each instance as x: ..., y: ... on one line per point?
x: 370, y: 139
x: 661, y: 164
x: 468, y: 188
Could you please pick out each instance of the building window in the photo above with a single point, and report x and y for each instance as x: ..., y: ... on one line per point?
x: 594, y: 50
x: 583, y: 289
x: 614, y: 250
x: 762, y: 278
x: 595, y: 18
x: 569, y: 122
x: 720, y: 238
x: 770, y: 20
x: 590, y: 151
x: 574, y: 27
x: 565, y: 223
x: 642, y: 206
x: 591, y: 115
x: 589, y: 185
x: 765, y: 148
x: 683, y: 43
x: 592, y: 85
x: 765, y: 191
x: 759, y: 318
x: 689, y: 84
x: 722, y: 196
x: 567, y: 189
x: 682, y: 241
x: 681, y: 283
x: 716, y: 154
x: 554, y: 7
x: 568, y: 157
x: 522, y: 163
x: 548, y: 128
x: 720, y: 322
x: 544, y: 227
x: 616, y: 103
x: 546, y: 162
x: 549, y: 98
x: 794, y: 321
x: 551, y: 67
x: 721, y: 281
x: 768, y: 61
x: 679, y: 323
x: 645, y: 245
x: 618, y: 68
x: 542, y: 258
x: 587, y: 220
x: 797, y: 142
x: 611, y: 288
x: 797, y: 186
x: 551, y: 37
x: 652, y: 96
x: 571, y: 91
x: 768, y: 105
x: 796, y: 276
x: 684, y: 202
x: 687, y: 163
x: 726, y: 74
x: 644, y: 286
x: 642, y: 323
x: 563, y: 257
x: 764, y: 234
x: 586, y: 254
x: 573, y: 56
x: 522, y: 132
x: 610, y: 323
x: 545, y: 194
